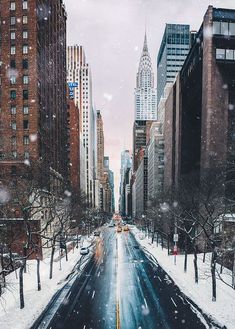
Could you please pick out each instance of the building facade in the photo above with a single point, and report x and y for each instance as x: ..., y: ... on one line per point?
x: 202, y: 138
x: 79, y: 73
x: 33, y: 104
x: 145, y: 93
x: 155, y: 151
x: 174, y: 49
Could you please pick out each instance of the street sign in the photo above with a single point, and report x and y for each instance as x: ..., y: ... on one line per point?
x: 175, y: 251
x: 73, y: 84
x: 176, y: 238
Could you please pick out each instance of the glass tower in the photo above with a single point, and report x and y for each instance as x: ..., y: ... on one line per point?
x: 173, y: 51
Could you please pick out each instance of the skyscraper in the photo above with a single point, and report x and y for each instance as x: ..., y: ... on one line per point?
x: 173, y: 51
x: 145, y: 93
x: 78, y: 72
x: 100, y: 147
x: 33, y: 109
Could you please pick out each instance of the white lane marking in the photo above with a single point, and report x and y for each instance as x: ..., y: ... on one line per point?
x: 98, y: 274
x: 145, y: 302
x: 159, y: 279
x: 68, y: 295
x: 93, y: 294
x: 173, y: 302
x: 84, y: 327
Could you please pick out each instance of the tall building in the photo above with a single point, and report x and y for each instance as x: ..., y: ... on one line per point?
x: 100, y: 147
x: 74, y: 149
x: 155, y: 151
x: 203, y: 138
x: 126, y: 163
x: 145, y: 93
x: 79, y: 75
x: 141, y: 130
x: 145, y: 104
x: 173, y: 51
x: 33, y: 108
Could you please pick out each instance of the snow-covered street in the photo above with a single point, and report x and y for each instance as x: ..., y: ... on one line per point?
x: 223, y: 309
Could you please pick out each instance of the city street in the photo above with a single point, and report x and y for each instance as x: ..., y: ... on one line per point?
x: 121, y: 287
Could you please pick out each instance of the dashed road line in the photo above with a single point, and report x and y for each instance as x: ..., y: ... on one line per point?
x: 173, y: 302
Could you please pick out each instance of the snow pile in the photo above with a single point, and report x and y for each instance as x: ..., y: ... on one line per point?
x: 223, y: 310
x: 35, y: 301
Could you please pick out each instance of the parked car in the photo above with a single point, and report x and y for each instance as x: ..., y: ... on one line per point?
x: 84, y: 251
x: 119, y: 229
x: 97, y: 233
x: 126, y: 228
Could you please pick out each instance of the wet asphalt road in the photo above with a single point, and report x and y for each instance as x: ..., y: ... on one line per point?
x: 122, y: 287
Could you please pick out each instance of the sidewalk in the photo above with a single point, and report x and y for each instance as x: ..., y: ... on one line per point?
x: 35, y: 301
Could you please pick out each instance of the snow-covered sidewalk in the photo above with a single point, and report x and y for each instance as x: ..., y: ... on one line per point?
x: 223, y: 310
x: 35, y: 301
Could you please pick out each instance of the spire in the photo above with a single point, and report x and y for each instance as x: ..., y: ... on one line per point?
x: 145, y: 48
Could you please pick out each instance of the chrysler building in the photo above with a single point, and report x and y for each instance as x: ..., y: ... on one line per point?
x: 145, y: 93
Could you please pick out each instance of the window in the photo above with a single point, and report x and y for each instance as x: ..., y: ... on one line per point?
x: 13, y: 110
x: 25, y: 109
x: 224, y: 28
x: 25, y: 79
x: 25, y: 49
x: 26, y: 140
x: 13, y: 170
x: 25, y: 4
x: 13, y: 125
x: 232, y: 28
x: 12, y: 20
x: 25, y: 64
x: 13, y: 94
x: 26, y: 124
x: 216, y: 27
x: 220, y: 53
x: 13, y: 50
x: 26, y: 155
x: 13, y: 6
x: 13, y: 64
x: 25, y: 19
x: 229, y: 54
x: 25, y: 34
x: 13, y: 35
x: 13, y: 140
x: 14, y: 154
x: 13, y: 79
x: 25, y: 94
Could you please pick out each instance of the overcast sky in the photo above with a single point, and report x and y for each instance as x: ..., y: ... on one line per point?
x: 112, y: 33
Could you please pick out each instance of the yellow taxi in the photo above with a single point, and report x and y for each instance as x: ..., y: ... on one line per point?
x: 119, y: 229
x: 126, y: 228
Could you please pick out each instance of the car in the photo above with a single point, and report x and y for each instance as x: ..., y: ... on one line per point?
x: 126, y: 228
x: 119, y: 229
x: 97, y: 233
x: 111, y: 225
x: 84, y: 251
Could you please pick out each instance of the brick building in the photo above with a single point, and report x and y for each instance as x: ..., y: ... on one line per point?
x: 74, y: 148
x: 33, y: 109
x: 200, y: 110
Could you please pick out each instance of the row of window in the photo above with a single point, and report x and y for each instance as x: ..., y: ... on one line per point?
x: 25, y: 49
x: 224, y: 28
x: 25, y: 140
x: 24, y: 5
x: 25, y: 35
x: 13, y: 94
x: 14, y: 155
x: 13, y: 20
x: 25, y: 64
x: 25, y: 125
x: 25, y: 79
x: 227, y: 54
x: 25, y: 110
